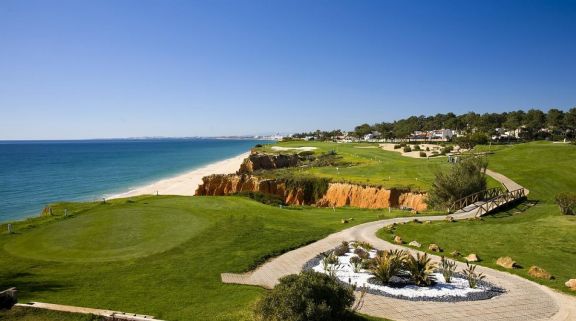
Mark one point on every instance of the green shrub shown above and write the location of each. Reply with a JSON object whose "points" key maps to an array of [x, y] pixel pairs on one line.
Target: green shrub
{"points": [[397, 146], [421, 268], [387, 265], [422, 154], [313, 188], [341, 250], [361, 253], [268, 199], [416, 148], [462, 179], [308, 296], [8, 299], [407, 149], [567, 202], [427, 149], [258, 145]]}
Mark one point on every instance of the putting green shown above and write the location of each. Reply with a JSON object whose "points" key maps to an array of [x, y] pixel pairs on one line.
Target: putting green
{"points": [[114, 233]]}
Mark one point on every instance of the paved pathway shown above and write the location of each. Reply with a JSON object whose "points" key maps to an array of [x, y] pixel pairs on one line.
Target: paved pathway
{"points": [[524, 299], [109, 314]]}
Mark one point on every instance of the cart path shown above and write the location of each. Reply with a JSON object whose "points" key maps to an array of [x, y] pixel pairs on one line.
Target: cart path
{"points": [[524, 299]]}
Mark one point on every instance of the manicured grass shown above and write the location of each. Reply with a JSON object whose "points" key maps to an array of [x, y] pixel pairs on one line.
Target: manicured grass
{"points": [[29, 314], [368, 164], [532, 235], [198, 238]]}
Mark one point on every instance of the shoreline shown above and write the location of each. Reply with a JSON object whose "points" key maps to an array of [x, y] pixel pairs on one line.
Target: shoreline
{"points": [[185, 184]]}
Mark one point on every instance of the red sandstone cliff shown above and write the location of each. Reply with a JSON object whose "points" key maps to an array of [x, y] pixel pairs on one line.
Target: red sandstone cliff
{"points": [[337, 195], [257, 161]]}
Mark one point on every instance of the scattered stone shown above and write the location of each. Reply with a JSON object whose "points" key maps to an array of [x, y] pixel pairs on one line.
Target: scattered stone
{"points": [[507, 262], [414, 244], [398, 240], [456, 254], [472, 257], [540, 273], [344, 221], [571, 284], [434, 248]]}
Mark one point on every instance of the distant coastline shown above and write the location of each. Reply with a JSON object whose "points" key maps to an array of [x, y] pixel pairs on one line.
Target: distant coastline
{"points": [[34, 174]]}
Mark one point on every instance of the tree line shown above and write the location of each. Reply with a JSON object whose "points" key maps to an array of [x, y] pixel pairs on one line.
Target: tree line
{"points": [[558, 124]]}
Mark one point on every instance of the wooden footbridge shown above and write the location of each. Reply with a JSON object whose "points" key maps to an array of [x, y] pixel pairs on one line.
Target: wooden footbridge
{"points": [[488, 200]]}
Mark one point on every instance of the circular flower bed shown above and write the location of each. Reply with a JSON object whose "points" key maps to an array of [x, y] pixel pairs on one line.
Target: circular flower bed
{"points": [[344, 263]]}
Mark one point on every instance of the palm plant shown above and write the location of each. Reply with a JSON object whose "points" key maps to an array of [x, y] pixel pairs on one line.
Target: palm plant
{"points": [[448, 268], [471, 275], [356, 264], [387, 265], [421, 268]]}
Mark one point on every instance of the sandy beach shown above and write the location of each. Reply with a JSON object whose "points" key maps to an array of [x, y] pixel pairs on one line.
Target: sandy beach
{"points": [[187, 183]]}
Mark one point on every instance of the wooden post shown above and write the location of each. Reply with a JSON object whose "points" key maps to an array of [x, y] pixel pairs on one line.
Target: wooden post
{"points": [[10, 229]]}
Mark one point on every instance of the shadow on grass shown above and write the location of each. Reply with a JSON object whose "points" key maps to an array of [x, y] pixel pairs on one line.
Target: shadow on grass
{"points": [[514, 209], [23, 282]]}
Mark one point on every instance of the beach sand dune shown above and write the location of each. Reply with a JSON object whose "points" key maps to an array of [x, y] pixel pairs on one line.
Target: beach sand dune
{"points": [[187, 183]]}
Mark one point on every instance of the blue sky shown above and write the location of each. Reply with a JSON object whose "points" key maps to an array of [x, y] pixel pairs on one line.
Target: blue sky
{"points": [[120, 68]]}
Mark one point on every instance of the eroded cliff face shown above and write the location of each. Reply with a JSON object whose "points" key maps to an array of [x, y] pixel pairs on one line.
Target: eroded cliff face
{"points": [[218, 185], [337, 194], [257, 161], [341, 194]]}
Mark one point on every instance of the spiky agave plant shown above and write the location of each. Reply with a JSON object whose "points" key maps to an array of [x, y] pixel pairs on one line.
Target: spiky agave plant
{"points": [[420, 268], [448, 268], [471, 275], [388, 264]]}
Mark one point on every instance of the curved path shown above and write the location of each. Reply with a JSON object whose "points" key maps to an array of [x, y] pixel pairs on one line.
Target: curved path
{"points": [[524, 299]]}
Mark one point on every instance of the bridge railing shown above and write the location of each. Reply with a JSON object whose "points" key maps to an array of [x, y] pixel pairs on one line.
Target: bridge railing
{"points": [[500, 200], [473, 198]]}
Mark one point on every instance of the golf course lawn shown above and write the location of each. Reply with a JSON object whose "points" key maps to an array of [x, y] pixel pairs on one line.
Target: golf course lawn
{"points": [[368, 164], [160, 255], [532, 235]]}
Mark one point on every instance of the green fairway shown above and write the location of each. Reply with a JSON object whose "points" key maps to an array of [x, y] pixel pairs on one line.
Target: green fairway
{"points": [[179, 279], [531, 235], [368, 164]]}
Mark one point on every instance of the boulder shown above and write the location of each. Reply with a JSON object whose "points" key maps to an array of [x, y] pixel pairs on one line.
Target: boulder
{"points": [[398, 240], [414, 244], [539, 272], [456, 254], [571, 284], [450, 219], [507, 262], [434, 248], [472, 257]]}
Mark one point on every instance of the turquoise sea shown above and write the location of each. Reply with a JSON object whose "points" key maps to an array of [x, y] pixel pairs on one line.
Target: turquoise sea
{"points": [[36, 173]]}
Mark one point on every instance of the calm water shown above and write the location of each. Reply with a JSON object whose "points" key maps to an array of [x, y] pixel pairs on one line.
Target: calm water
{"points": [[35, 173]]}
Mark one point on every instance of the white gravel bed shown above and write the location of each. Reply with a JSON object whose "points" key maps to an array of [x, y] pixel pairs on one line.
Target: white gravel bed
{"points": [[457, 290]]}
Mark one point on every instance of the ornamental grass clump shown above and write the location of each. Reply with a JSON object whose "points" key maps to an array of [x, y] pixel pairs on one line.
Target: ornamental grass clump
{"points": [[567, 202], [361, 253], [356, 264], [388, 265], [420, 268], [448, 268], [472, 276]]}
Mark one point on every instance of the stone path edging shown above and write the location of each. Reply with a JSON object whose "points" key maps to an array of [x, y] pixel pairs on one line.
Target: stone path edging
{"points": [[524, 299]]}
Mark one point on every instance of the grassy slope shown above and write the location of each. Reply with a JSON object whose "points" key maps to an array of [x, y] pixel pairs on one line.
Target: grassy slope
{"points": [[181, 282], [540, 235]]}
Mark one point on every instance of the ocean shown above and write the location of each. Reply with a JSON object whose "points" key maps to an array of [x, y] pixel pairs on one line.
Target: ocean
{"points": [[36, 173]]}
